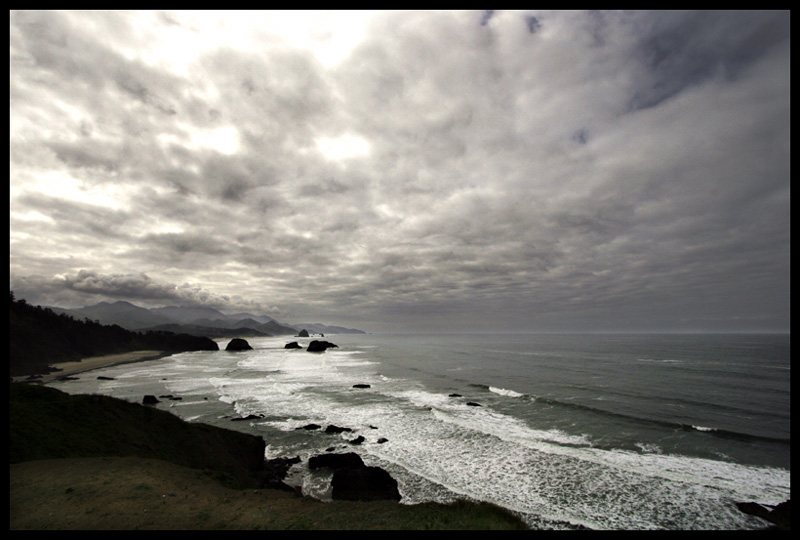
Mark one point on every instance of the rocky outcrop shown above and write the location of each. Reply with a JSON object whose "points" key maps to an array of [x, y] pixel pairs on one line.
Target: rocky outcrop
{"points": [[364, 484], [779, 515], [361, 386], [274, 473], [303, 333], [150, 400], [320, 346], [238, 344], [248, 417], [354, 481], [292, 345], [104, 426], [336, 429]]}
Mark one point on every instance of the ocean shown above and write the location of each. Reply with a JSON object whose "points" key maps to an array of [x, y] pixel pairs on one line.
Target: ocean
{"points": [[571, 431]]}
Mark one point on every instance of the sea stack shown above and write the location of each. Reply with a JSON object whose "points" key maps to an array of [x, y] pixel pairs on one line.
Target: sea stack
{"points": [[238, 344], [319, 346]]}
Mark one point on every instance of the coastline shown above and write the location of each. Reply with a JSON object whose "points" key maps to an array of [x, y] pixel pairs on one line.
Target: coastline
{"points": [[83, 365]]}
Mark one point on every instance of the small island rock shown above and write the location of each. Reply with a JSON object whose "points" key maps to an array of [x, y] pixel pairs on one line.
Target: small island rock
{"points": [[238, 344], [320, 346]]}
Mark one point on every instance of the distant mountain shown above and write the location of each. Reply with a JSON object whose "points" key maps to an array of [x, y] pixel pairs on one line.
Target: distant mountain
{"points": [[258, 318], [181, 314], [206, 331], [192, 320], [317, 328], [270, 328], [124, 314]]}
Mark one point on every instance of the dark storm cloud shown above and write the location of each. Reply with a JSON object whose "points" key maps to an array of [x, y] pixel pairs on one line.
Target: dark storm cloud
{"points": [[536, 170], [681, 49]]}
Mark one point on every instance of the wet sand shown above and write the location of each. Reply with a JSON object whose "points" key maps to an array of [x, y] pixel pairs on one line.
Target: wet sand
{"points": [[96, 362]]}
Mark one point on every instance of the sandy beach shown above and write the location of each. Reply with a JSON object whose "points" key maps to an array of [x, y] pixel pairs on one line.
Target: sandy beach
{"points": [[95, 362]]}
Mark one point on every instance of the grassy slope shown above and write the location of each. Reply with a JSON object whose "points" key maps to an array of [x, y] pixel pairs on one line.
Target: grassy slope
{"points": [[96, 462]]}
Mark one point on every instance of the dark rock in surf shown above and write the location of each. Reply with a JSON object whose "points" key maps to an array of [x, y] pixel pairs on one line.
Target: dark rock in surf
{"points": [[336, 429], [473, 404], [248, 417], [101, 378], [363, 484], [320, 346], [292, 345], [382, 440], [361, 386], [274, 472], [309, 427], [455, 395], [354, 481], [779, 515], [150, 400], [358, 440], [303, 333], [238, 344]]}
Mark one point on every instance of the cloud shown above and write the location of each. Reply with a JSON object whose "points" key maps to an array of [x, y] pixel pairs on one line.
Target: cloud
{"points": [[91, 286], [536, 169]]}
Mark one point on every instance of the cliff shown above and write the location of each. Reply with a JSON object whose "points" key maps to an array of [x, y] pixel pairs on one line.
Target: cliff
{"points": [[46, 423]]}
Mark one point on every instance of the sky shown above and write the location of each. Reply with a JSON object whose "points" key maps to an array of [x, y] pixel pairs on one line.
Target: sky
{"points": [[407, 171]]}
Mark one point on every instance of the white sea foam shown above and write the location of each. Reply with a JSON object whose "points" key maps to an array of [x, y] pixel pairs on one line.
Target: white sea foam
{"points": [[438, 444], [505, 392], [649, 448]]}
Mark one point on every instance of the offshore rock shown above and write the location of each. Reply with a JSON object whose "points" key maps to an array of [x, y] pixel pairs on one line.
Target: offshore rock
{"points": [[274, 473], [354, 481], [320, 346], [303, 333], [248, 417], [238, 344], [779, 515], [364, 484], [292, 345], [336, 429], [150, 400]]}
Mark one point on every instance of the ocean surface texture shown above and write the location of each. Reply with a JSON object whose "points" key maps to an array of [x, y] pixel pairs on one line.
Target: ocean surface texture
{"points": [[648, 431]]}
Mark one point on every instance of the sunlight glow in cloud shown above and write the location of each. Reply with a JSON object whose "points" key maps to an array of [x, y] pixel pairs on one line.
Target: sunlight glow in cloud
{"points": [[343, 147]]}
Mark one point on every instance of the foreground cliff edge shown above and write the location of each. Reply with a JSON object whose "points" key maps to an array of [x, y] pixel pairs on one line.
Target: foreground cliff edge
{"points": [[97, 462]]}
